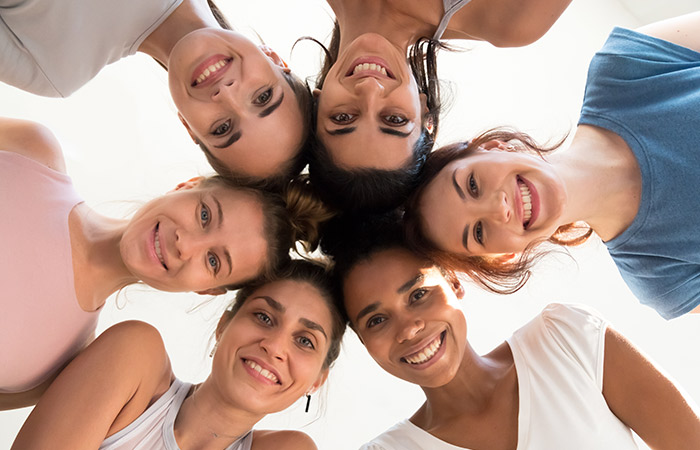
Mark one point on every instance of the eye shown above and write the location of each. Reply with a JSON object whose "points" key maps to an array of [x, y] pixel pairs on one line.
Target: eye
{"points": [[204, 215], [305, 342], [479, 233], [213, 262], [263, 318], [395, 120], [343, 118], [263, 98], [417, 295], [472, 186], [222, 129], [375, 320]]}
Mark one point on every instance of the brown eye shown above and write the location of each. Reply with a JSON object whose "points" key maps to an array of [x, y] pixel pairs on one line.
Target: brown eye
{"points": [[342, 118], [395, 120], [473, 188], [263, 98], [222, 129], [479, 233]]}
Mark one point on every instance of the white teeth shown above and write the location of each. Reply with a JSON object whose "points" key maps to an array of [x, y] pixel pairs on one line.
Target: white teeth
{"points": [[210, 70], [264, 372], [158, 251], [527, 201], [427, 353], [367, 66]]}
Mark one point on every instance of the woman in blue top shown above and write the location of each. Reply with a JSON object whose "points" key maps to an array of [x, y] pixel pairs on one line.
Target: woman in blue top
{"points": [[630, 175]]}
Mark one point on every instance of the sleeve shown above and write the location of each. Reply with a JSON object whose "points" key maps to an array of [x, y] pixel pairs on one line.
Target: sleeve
{"points": [[579, 332], [372, 446]]}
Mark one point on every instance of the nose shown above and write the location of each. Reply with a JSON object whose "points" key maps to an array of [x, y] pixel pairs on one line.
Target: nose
{"points": [[188, 243], [410, 329], [368, 88], [226, 92], [497, 208], [274, 345]]}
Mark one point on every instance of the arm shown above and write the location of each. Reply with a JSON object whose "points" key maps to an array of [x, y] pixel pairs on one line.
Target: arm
{"points": [[505, 23], [26, 398], [682, 30], [282, 440], [101, 391], [32, 140], [645, 399]]}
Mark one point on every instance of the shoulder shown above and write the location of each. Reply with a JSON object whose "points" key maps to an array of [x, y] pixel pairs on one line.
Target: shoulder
{"points": [[32, 140], [282, 440]]}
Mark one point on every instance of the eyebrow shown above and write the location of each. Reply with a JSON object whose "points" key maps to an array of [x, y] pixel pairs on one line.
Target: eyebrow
{"points": [[394, 132], [313, 326], [270, 109], [465, 237], [220, 213], [232, 140], [459, 190], [340, 131], [274, 304], [410, 283], [366, 310]]}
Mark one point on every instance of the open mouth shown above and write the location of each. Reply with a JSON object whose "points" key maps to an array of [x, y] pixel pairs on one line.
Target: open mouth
{"points": [[262, 371], [156, 245], [427, 353], [370, 66], [526, 198], [210, 69]]}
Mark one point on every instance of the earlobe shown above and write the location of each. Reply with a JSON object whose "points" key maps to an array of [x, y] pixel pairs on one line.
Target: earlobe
{"points": [[275, 58], [319, 382], [506, 258], [500, 145], [458, 289], [189, 130], [189, 184], [317, 93]]}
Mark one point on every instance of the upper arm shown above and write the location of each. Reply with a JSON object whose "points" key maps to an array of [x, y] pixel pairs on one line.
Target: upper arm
{"points": [[682, 30], [282, 440], [112, 380], [645, 399], [505, 23], [32, 140]]}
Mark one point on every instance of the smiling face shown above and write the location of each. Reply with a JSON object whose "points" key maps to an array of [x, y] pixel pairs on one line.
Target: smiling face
{"points": [[369, 110], [273, 349], [235, 99], [407, 316], [196, 238], [492, 202]]}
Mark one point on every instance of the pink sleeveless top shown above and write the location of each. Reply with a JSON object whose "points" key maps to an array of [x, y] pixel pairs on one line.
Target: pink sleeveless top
{"points": [[42, 326]]}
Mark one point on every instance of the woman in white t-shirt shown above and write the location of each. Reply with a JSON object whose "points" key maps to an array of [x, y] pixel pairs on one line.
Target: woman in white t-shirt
{"points": [[566, 380]]}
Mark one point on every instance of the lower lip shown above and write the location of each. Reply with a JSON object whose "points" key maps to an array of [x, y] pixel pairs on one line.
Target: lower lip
{"points": [[257, 375], [534, 200], [436, 356], [371, 60], [204, 65]]}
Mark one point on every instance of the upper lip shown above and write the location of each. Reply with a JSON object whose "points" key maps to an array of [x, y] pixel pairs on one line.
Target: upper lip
{"points": [[416, 348], [206, 64], [161, 244], [266, 366]]}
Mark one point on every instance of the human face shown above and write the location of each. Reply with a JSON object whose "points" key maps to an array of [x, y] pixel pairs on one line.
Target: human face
{"points": [[369, 110], [234, 98], [272, 351], [196, 239], [492, 202], [407, 316]]}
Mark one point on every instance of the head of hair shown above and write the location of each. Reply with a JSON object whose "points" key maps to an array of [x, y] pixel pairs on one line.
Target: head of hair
{"points": [[314, 273], [376, 190], [503, 275], [292, 216], [351, 240]]}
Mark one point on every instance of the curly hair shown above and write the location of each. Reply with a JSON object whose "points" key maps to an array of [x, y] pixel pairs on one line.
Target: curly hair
{"points": [[505, 274]]}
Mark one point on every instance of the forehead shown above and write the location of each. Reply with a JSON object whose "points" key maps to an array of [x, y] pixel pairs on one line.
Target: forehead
{"points": [[369, 148], [300, 299]]}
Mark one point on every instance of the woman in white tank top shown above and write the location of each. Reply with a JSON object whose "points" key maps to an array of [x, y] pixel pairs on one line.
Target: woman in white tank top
{"points": [[275, 344]]}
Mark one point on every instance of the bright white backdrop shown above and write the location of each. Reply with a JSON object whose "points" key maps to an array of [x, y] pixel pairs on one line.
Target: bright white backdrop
{"points": [[124, 145]]}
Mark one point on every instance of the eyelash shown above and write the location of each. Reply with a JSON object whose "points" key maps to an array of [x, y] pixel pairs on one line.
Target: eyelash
{"points": [[374, 321], [479, 233], [417, 295], [222, 129], [267, 96], [343, 118], [205, 218], [390, 120], [472, 186], [267, 321]]}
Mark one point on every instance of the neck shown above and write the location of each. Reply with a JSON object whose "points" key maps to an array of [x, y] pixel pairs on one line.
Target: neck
{"points": [[602, 179], [479, 380], [206, 420], [191, 15], [99, 269], [371, 16]]}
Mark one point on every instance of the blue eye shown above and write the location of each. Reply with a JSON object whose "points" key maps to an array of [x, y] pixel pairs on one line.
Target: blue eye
{"points": [[263, 98], [204, 214], [213, 262], [264, 318], [306, 342]]}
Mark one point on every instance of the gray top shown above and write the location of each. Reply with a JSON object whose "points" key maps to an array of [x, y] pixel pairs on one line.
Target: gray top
{"points": [[450, 7]]}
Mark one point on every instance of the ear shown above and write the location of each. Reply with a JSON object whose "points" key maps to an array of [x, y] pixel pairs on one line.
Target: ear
{"points": [[322, 377], [500, 145], [458, 289], [316, 93], [187, 127], [189, 184], [212, 291], [275, 58], [505, 258]]}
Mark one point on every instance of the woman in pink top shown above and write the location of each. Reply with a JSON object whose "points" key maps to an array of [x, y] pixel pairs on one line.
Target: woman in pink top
{"points": [[275, 344], [61, 259]]}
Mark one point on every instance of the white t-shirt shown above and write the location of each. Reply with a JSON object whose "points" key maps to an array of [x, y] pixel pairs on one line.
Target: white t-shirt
{"points": [[53, 47], [559, 362]]}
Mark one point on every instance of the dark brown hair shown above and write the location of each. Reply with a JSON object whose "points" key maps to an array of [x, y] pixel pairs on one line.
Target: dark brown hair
{"points": [[497, 274]]}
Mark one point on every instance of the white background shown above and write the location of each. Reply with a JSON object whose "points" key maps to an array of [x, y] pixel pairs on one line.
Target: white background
{"points": [[124, 144]]}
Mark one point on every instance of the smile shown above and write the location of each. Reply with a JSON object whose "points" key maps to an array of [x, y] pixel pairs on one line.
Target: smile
{"points": [[156, 245], [210, 69], [369, 66], [427, 353], [527, 202], [262, 371]]}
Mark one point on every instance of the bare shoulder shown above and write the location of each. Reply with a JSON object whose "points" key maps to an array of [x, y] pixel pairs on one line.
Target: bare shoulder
{"points": [[282, 439], [682, 30], [33, 140]]}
